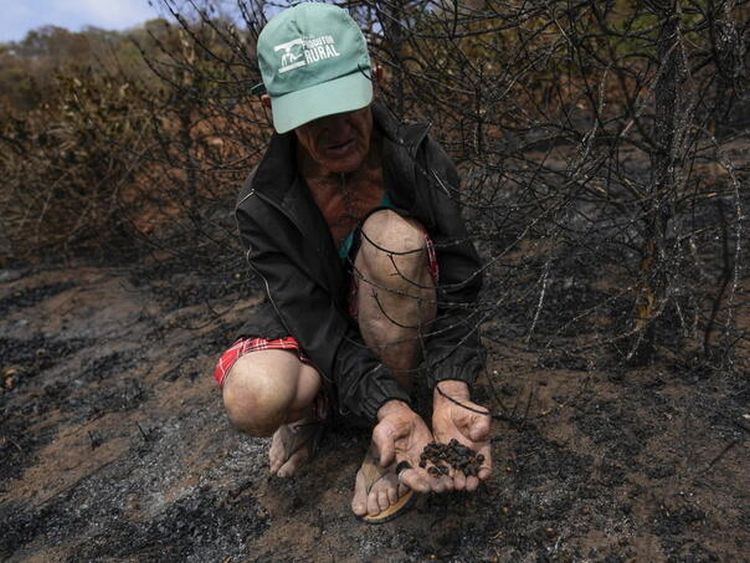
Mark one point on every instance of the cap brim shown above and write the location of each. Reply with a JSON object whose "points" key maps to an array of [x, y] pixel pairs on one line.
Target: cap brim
{"points": [[348, 93]]}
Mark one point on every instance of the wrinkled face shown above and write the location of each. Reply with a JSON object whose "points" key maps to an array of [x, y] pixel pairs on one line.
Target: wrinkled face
{"points": [[340, 142]]}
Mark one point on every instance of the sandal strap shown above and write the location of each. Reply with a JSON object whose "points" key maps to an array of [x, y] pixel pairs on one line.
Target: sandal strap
{"points": [[372, 471]]}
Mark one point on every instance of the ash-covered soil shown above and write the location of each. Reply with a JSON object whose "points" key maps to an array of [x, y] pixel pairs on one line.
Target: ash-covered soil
{"points": [[114, 445]]}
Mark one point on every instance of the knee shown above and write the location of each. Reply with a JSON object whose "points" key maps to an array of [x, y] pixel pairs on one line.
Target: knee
{"points": [[393, 248], [256, 401]]}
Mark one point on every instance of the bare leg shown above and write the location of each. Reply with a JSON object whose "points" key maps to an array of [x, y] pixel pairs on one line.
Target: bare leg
{"points": [[396, 302], [396, 291], [264, 393]]}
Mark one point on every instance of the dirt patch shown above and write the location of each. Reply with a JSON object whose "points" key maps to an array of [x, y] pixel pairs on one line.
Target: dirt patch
{"points": [[115, 446]]}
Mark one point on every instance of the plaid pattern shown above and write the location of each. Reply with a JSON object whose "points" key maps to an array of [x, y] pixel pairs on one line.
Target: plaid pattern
{"points": [[246, 345], [254, 344], [432, 259]]}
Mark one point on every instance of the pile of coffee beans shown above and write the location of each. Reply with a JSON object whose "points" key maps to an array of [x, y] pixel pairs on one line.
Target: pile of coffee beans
{"points": [[442, 457]]}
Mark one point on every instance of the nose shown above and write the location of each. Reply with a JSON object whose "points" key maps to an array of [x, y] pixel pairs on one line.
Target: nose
{"points": [[336, 125], [335, 120]]}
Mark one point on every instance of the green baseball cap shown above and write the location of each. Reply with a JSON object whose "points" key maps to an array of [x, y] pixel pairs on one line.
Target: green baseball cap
{"points": [[314, 62]]}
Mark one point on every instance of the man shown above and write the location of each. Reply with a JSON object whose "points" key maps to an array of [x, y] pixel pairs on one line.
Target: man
{"points": [[352, 224]]}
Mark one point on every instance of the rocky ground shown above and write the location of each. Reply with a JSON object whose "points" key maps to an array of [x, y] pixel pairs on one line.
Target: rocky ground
{"points": [[114, 445]]}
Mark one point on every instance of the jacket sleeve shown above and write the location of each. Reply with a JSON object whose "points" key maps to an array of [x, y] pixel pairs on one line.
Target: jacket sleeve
{"points": [[454, 349], [327, 337]]}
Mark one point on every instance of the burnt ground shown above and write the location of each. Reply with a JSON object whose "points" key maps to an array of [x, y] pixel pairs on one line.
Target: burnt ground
{"points": [[114, 445]]}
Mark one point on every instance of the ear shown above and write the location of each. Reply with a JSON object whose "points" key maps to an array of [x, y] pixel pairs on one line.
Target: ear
{"points": [[265, 99]]}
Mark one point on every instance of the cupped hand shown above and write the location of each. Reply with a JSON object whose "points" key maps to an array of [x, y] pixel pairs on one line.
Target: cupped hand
{"points": [[454, 415], [400, 436]]}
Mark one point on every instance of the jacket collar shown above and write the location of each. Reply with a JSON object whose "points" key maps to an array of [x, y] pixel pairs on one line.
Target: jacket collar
{"points": [[277, 170], [400, 146], [399, 135]]}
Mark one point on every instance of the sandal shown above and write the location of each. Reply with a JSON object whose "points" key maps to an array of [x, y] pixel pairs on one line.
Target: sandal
{"points": [[306, 432], [373, 472]]}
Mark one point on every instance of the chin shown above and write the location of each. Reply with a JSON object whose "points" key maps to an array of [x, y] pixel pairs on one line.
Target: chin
{"points": [[345, 165]]}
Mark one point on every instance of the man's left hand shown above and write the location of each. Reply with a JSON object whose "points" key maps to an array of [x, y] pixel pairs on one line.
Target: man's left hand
{"points": [[470, 426]]}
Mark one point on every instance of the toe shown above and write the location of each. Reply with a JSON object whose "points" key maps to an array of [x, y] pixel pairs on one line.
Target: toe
{"points": [[383, 501], [275, 459], [359, 501], [393, 494], [295, 460], [373, 508], [275, 463]]}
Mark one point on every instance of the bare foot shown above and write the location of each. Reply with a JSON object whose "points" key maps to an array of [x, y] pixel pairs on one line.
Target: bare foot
{"points": [[376, 488], [292, 445]]}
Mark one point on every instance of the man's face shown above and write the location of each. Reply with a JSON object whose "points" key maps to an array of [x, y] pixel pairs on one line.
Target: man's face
{"points": [[340, 142]]}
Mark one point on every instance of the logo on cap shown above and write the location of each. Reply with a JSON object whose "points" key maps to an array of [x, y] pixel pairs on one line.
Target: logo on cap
{"points": [[289, 59], [313, 49]]}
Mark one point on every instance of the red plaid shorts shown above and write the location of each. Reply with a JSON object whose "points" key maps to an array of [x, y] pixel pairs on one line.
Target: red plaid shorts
{"points": [[254, 344]]}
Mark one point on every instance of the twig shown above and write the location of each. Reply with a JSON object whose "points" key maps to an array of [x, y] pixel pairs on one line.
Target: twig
{"points": [[95, 440], [721, 454], [143, 433], [459, 403], [540, 303]]}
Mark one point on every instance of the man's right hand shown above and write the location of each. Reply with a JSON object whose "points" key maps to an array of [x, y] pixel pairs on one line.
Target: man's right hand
{"points": [[401, 435]]}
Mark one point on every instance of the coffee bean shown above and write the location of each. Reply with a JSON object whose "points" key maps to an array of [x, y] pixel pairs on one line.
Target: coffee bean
{"points": [[455, 455]]}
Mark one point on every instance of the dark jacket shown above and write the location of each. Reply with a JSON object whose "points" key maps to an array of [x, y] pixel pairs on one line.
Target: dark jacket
{"points": [[290, 247]]}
